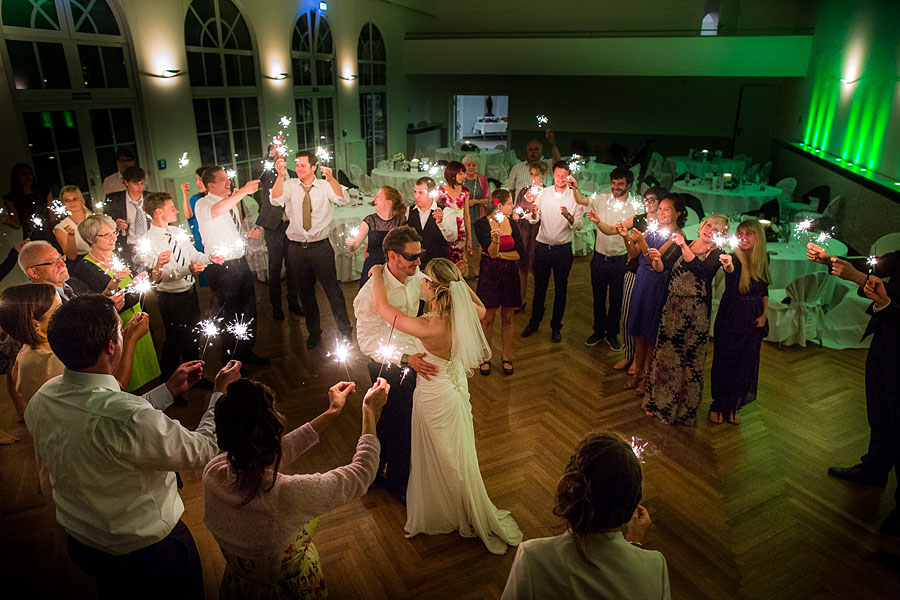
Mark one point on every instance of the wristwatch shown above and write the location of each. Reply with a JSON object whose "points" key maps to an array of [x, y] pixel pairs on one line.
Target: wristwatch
{"points": [[404, 361]]}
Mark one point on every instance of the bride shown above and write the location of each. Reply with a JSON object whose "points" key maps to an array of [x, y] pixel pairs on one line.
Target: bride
{"points": [[446, 492]]}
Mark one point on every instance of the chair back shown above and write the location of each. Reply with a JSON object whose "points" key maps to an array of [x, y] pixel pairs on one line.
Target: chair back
{"points": [[355, 172], [765, 171], [787, 187], [754, 171], [886, 243], [693, 202]]}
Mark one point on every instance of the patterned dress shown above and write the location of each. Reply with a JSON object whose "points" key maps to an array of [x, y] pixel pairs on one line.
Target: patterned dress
{"points": [[454, 209], [297, 573], [675, 380]]}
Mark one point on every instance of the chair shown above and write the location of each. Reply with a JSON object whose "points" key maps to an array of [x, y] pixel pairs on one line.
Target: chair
{"points": [[347, 264], [765, 171], [845, 316], [693, 202], [495, 183], [886, 243], [796, 314], [365, 184], [355, 172], [787, 186], [692, 217], [820, 193], [752, 172], [344, 180]]}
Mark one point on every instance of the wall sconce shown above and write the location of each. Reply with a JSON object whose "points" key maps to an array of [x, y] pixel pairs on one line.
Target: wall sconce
{"points": [[849, 81], [349, 77], [279, 77], [166, 73]]}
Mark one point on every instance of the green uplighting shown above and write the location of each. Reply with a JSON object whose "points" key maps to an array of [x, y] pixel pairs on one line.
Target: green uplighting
{"points": [[838, 159]]}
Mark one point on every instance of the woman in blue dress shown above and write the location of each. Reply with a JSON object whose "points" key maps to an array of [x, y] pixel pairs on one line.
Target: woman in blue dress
{"points": [[657, 255], [187, 207]]}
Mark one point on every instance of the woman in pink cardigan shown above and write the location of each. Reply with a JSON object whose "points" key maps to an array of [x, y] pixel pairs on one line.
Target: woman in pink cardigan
{"points": [[264, 521], [477, 206]]}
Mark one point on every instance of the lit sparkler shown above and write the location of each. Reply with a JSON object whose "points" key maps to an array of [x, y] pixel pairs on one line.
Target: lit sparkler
{"points": [[341, 354], [182, 236], [209, 329], [119, 265], [231, 173], [183, 161], [143, 247], [139, 286], [59, 209], [37, 222], [240, 330], [654, 228], [434, 194], [322, 154], [520, 211], [721, 241], [803, 226], [639, 447], [387, 353], [285, 121], [823, 237], [354, 232], [98, 205], [499, 217], [268, 165], [542, 120], [405, 372], [534, 190], [872, 261]]}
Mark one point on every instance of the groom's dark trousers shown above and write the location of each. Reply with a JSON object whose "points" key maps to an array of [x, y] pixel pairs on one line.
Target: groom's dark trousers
{"points": [[394, 428]]}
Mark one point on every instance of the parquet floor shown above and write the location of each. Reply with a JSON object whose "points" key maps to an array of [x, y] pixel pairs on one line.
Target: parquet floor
{"points": [[739, 512]]}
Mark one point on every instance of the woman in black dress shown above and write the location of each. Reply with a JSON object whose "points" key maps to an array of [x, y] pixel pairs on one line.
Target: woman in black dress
{"points": [[28, 199], [389, 212], [740, 324], [498, 282]]}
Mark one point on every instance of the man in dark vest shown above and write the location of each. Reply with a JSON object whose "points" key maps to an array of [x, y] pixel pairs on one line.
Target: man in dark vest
{"points": [[428, 221], [274, 223]]}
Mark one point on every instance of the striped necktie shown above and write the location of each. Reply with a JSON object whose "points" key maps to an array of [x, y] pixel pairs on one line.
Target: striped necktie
{"points": [[176, 254]]}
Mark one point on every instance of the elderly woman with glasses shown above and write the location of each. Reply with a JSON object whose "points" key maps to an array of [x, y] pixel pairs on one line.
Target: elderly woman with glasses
{"points": [[100, 270]]}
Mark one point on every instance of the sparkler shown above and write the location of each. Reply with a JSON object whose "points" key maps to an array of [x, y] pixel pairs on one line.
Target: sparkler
{"points": [[823, 237], [405, 372], [341, 354], [534, 190], [434, 194], [323, 154], [354, 232], [654, 228], [184, 160], [387, 352], [231, 173], [639, 447], [144, 247], [542, 120], [499, 217], [268, 165], [208, 328], [803, 226], [181, 236], [118, 264], [872, 261], [285, 121], [37, 222], [139, 286], [520, 211], [722, 240], [59, 209], [98, 205], [240, 330]]}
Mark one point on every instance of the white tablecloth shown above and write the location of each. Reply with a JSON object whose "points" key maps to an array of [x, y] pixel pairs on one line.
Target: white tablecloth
{"points": [[483, 127], [348, 264], [728, 202], [404, 181], [699, 168], [599, 173], [485, 157]]}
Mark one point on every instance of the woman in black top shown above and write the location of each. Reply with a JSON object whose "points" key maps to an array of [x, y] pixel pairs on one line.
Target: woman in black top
{"points": [[389, 212], [25, 200], [498, 281]]}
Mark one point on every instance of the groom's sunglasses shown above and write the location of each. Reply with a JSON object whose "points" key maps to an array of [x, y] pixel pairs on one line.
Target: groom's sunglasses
{"points": [[410, 257]]}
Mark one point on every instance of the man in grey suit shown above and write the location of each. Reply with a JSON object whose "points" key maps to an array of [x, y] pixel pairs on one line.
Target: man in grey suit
{"points": [[274, 223]]}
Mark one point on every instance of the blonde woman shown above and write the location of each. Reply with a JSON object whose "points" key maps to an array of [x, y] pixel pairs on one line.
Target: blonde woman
{"points": [[740, 324], [446, 492], [675, 379], [66, 231]]}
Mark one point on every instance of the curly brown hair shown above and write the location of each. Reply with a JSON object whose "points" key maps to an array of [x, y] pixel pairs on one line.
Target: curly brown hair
{"points": [[601, 486], [249, 429]]}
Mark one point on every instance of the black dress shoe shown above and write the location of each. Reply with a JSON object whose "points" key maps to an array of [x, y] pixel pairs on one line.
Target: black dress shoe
{"points": [[296, 310], [204, 384], [179, 401], [251, 358], [859, 474], [891, 524], [277, 313], [529, 329], [556, 336], [313, 341]]}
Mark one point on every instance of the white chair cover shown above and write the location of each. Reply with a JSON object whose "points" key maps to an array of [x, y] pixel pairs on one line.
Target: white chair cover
{"points": [[803, 319], [765, 171], [355, 172], [365, 184], [348, 264], [845, 316], [787, 186], [256, 253], [692, 217], [886, 243], [498, 172]]}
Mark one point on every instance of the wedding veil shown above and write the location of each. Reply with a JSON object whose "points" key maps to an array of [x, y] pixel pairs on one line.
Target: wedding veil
{"points": [[468, 345]]}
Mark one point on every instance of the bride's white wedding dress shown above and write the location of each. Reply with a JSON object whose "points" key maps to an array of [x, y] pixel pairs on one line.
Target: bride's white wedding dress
{"points": [[446, 492]]}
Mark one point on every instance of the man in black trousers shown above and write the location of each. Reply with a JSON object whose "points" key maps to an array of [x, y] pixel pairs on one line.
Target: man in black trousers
{"points": [[307, 202], [274, 223], [882, 372], [428, 221]]}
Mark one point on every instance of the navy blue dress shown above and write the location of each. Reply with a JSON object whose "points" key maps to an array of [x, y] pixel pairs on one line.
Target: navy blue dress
{"points": [[649, 293]]}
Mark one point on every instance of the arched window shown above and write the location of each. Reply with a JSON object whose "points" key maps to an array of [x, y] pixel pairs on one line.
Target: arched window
{"points": [[222, 69], [372, 69], [312, 58], [710, 24], [72, 58]]}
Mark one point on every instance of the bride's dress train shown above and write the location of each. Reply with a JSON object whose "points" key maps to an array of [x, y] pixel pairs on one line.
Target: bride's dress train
{"points": [[446, 492]]}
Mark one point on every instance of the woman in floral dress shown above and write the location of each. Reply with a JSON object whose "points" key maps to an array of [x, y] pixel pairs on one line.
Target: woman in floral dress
{"points": [[675, 380], [452, 197]]}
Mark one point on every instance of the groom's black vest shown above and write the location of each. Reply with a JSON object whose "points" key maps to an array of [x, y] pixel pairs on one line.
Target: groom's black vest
{"points": [[433, 243]]}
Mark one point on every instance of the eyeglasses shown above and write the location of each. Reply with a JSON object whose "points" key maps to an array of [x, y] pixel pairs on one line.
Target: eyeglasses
{"points": [[105, 235], [57, 260], [410, 257]]}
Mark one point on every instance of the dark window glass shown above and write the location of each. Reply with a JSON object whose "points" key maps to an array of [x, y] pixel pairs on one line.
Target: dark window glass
{"points": [[325, 72], [324, 44], [213, 64], [248, 70], [218, 114], [201, 116], [24, 64], [222, 148], [102, 128], [195, 69], [207, 157], [302, 71], [300, 41], [200, 24], [39, 129], [55, 149], [114, 63], [251, 110], [240, 146], [91, 66], [254, 139], [34, 14], [53, 65], [123, 124], [237, 112], [93, 16]]}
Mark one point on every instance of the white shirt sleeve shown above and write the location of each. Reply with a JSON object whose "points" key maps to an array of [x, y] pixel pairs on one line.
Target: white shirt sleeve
{"points": [[286, 191], [203, 210], [159, 397], [448, 230], [518, 583]]}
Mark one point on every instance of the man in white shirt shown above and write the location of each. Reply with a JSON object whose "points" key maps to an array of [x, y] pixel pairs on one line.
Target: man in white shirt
{"points": [[560, 210], [428, 221], [109, 458], [116, 182], [174, 263], [609, 259], [519, 175], [307, 203], [233, 282], [403, 252]]}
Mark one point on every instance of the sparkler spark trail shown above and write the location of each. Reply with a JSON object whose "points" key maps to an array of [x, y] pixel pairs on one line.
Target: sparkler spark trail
{"points": [[208, 328], [240, 330], [37, 222], [139, 286], [341, 354], [872, 261], [59, 209], [230, 173], [803, 226], [722, 240], [184, 160], [405, 372], [386, 351], [268, 165], [322, 154], [823, 237], [542, 120], [118, 264], [639, 447], [285, 121], [182, 236]]}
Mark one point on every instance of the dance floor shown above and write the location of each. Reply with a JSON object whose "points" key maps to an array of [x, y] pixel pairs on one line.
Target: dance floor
{"points": [[738, 512]]}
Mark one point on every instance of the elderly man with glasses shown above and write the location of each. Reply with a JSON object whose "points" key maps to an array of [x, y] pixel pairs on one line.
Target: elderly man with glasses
{"points": [[43, 263]]}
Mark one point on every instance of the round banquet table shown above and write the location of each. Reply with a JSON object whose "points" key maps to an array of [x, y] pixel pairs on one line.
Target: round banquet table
{"points": [[728, 202], [493, 156], [599, 173], [699, 168], [348, 264], [403, 181], [787, 260]]}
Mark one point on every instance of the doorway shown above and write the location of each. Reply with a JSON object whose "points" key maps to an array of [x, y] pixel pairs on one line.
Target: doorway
{"points": [[481, 120]]}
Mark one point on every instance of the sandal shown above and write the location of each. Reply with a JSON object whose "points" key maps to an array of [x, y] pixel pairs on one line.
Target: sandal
{"points": [[509, 370], [715, 417], [734, 417], [484, 371], [622, 364]]}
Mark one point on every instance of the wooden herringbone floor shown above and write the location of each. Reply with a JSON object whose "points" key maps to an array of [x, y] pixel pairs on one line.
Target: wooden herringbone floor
{"points": [[739, 512]]}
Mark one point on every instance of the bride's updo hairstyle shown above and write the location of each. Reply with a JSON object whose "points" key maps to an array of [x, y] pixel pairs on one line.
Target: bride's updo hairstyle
{"points": [[441, 273], [600, 487], [249, 429]]}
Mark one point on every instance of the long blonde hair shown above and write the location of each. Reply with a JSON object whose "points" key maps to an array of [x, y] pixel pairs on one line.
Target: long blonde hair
{"points": [[441, 273], [754, 264]]}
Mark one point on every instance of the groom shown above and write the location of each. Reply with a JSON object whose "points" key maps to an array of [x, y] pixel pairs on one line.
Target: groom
{"points": [[402, 249]]}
